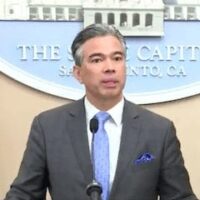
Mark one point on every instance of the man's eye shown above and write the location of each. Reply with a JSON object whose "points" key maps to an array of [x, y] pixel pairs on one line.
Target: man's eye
{"points": [[118, 58], [96, 60]]}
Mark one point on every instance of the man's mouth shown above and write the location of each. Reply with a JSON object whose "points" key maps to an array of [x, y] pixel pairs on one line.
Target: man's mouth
{"points": [[109, 83]]}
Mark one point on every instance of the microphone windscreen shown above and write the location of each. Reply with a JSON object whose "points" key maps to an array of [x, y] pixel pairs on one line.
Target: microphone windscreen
{"points": [[94, 125]]}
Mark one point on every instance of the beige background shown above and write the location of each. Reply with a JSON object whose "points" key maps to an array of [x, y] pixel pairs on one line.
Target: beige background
{"points": [[20, 103]]}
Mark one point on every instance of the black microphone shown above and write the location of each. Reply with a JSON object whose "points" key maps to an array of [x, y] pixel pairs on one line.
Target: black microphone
{"points": [[94, 125], [94, 189]]}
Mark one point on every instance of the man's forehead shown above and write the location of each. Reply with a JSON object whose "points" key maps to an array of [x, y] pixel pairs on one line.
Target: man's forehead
{"points": [[95, 40]]}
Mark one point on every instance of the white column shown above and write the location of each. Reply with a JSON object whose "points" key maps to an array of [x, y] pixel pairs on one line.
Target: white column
{"points": [[129, 19], [53, 13], [104, 16], [66, 11], [40, 12], [142, 19], [117, 19]]}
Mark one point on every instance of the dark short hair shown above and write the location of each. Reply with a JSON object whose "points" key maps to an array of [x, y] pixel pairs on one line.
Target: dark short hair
{"points": [[91, 31]]}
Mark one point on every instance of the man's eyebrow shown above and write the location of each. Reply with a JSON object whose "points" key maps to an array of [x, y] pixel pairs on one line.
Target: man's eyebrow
{"points": [[118, 52], [101, 54], [95, 54]]}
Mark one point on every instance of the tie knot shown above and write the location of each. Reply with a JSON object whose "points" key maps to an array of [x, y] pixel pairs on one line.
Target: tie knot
{"points": [[102, 117]]}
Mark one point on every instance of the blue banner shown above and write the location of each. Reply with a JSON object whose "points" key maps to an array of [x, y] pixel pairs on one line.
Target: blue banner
{"points": [[158, 68]]}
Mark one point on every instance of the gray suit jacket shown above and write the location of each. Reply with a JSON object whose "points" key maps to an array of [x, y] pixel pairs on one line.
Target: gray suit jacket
{"points": [[57, 156]]}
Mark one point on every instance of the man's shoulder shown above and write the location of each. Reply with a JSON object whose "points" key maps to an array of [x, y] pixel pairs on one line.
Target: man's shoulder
{"points": [[62, 110], [145, 113], [150, 120]]}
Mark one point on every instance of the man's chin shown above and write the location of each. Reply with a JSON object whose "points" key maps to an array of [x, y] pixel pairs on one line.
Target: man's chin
{"points": [[112, 95]]}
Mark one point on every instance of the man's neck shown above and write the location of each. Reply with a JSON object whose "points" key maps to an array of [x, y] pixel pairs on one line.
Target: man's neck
{"points": [[104, 104]]}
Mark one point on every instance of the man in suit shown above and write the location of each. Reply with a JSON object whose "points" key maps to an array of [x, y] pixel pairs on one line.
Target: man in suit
{"points": [[145, 157]]}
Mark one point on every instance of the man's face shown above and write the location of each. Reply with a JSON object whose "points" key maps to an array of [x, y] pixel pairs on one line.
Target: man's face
{"points": [[103, 68]]}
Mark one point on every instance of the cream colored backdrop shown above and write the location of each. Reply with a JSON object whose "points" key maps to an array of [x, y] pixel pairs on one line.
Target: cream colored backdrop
{"points": [[20, 103]]}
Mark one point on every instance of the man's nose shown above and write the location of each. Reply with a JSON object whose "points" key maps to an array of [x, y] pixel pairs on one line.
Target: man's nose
{"points": [[109, 66]]}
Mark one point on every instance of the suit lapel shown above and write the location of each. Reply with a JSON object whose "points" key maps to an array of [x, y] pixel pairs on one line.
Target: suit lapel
{"points": [[129, 141], [79, 139]]}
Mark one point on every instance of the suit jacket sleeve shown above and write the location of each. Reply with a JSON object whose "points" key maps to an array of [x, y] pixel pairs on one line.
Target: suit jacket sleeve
{"points": [[174, 180], [31, 181]]}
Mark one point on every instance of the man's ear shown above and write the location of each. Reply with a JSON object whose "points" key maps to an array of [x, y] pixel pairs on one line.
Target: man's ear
{"points": [[77, 73]]}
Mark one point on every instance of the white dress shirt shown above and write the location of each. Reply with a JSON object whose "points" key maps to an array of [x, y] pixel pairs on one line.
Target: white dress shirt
{"points": [[113, 127]]}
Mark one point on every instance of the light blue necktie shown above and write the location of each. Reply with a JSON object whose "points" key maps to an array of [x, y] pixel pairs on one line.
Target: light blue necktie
{"points": [[101, 155]]}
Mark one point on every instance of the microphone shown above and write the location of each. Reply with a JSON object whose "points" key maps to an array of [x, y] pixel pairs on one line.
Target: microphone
{"points": [[94, 189], [94, 125]]}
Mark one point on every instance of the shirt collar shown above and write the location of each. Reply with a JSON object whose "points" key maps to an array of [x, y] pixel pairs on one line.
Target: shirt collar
{"points": [[115, 112]]}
